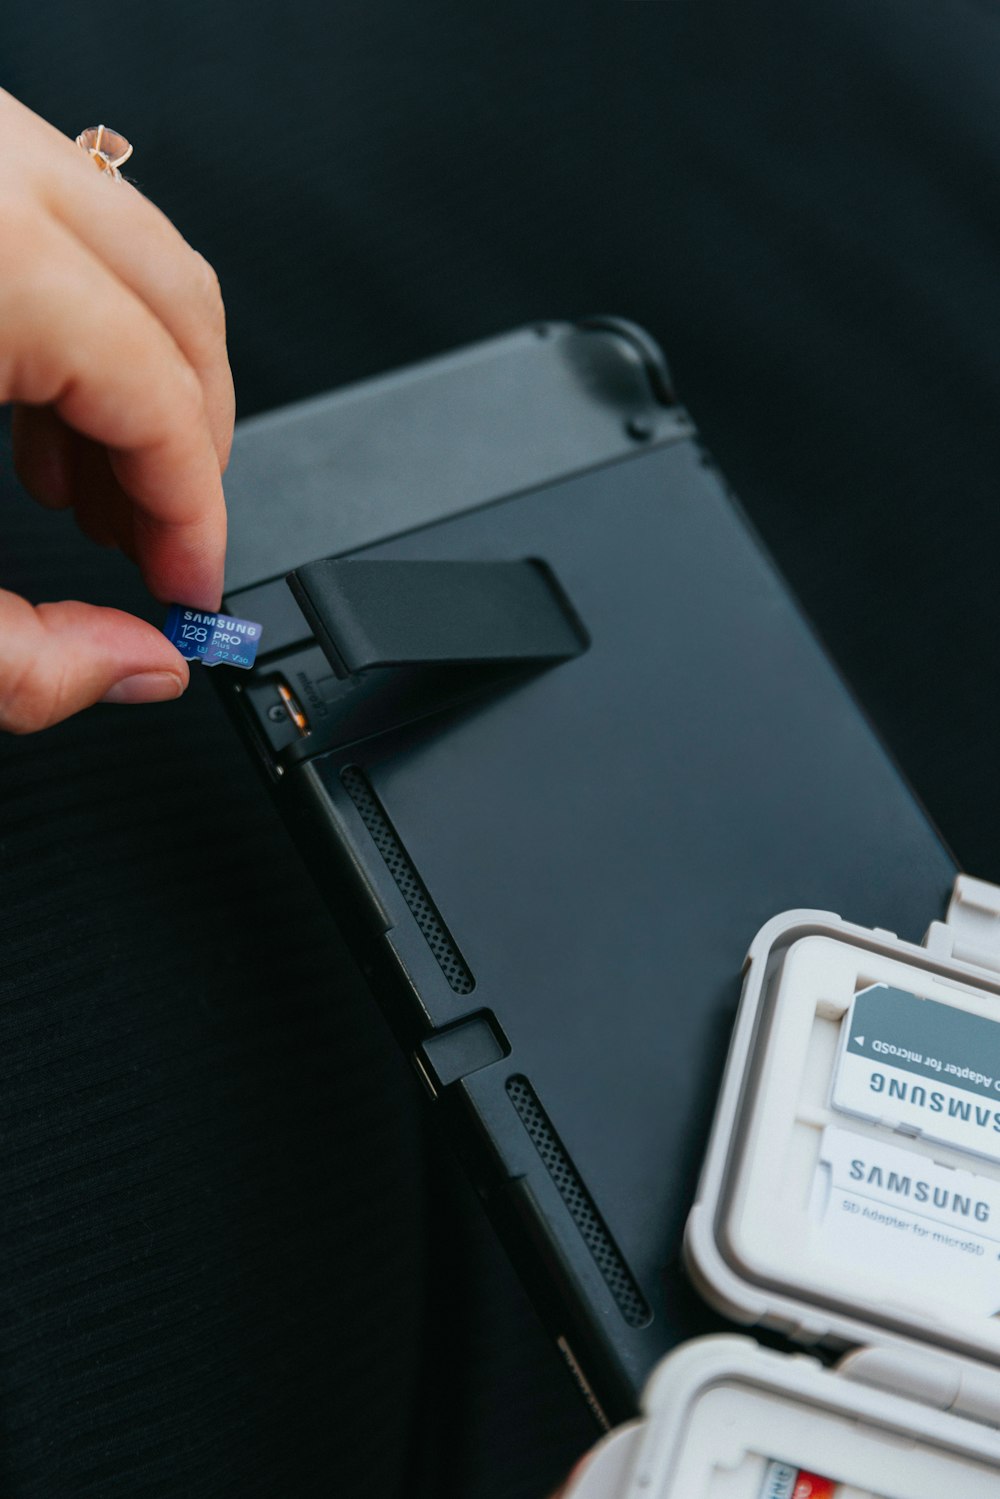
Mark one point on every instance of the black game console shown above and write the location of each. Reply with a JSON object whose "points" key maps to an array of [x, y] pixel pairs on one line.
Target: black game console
{"points": [[555, 741]]}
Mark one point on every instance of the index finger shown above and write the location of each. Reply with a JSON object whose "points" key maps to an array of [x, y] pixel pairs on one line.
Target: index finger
{"points": [[139, 245], [78, 339]]}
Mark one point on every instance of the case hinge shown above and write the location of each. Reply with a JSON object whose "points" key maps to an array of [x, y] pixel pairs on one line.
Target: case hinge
{"points": [[971, 930], [947, 1384]]}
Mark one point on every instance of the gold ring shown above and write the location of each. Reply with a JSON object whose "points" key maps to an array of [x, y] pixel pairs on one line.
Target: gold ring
{"points": [[105, 147]]}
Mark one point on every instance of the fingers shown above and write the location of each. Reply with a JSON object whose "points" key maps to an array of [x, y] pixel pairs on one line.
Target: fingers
{"points": [[138, 243], [58, 658], [44, 451], [77, 339], [149, 389], [103, 511], [113, 352]]}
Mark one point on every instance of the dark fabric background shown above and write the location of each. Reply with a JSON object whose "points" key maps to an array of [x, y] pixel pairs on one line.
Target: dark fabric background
{"points": [[232, 1261]]}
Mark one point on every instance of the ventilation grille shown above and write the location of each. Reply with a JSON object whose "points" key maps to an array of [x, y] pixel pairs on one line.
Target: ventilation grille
{"points": [[630, 1300], [411, 886]]}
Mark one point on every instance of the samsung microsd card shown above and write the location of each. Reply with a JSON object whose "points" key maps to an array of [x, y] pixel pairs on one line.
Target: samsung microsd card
{"points": [[931, 1229], [781, 1481], [921, 1067], [212, 639]]}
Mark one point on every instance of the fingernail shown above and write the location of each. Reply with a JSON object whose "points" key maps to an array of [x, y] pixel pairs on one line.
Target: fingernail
{"points": [[145, 687]]}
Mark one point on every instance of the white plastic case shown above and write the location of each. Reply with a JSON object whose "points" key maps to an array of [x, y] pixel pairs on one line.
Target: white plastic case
{"points": [[793, 1229], [719, 1410]]}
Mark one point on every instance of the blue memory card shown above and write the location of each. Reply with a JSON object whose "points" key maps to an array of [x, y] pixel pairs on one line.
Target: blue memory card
{"points": [[212, 639]]}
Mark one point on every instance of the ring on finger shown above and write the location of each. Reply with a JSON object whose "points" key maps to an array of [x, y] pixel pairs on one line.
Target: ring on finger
{"points": [[106, 148]]}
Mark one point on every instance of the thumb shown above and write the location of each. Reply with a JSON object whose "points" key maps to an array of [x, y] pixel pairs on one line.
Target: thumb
{"points": [[58, 658]]}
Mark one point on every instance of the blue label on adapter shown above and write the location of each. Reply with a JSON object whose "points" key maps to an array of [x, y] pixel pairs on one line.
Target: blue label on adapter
{"points": [[212, 639]]}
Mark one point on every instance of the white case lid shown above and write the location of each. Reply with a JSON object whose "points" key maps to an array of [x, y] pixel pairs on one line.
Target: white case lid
{"points": [[718, 1408]]}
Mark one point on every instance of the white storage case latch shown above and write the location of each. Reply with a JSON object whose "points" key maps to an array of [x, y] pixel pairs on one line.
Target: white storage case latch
{"points": [[971, 931]]}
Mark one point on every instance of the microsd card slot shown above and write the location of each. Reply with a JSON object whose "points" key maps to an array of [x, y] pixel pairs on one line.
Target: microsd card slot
{"points": [[300, 708], [280, 716], [293, 711], [298, 704]]}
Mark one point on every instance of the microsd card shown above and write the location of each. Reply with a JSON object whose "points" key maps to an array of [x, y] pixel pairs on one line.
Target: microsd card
{"points": [[212, 639], [782, 1481]]}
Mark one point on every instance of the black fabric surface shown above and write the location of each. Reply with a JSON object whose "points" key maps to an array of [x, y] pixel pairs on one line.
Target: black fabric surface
{"points": [[232, 1261]]}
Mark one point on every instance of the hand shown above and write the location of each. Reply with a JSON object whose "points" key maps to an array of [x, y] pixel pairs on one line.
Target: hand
{"points": [[112, 347]]}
